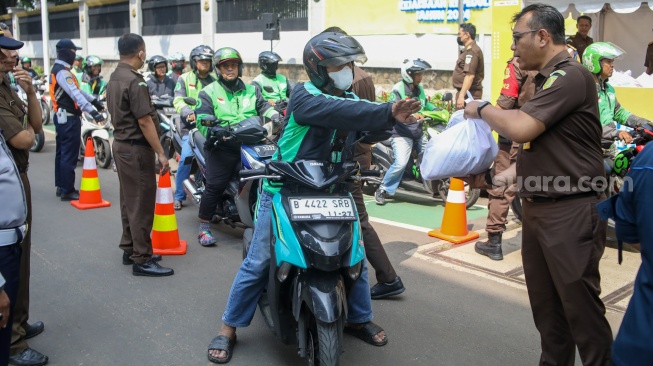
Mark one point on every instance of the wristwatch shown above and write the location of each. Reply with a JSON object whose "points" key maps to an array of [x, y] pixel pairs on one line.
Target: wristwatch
{"points": [[481, 106]]}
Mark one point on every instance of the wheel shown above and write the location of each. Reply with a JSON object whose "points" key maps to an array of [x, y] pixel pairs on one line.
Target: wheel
{"points": [[516, 207], [324, 343], [102, 153], [471, 194], [39, 141], [45, 112]]}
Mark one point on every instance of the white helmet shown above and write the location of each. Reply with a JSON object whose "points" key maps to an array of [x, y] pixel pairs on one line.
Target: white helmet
{"points": [[412, 67]]}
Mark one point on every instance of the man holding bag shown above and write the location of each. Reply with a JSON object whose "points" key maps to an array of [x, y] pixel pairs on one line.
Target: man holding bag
{"points": [[562, 235]]}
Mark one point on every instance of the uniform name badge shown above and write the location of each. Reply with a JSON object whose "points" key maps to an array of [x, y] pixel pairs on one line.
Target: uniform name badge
{"points": [[527, 145]]}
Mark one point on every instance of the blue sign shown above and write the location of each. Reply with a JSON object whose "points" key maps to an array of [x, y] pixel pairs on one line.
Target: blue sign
{"points": [[441, 10]]}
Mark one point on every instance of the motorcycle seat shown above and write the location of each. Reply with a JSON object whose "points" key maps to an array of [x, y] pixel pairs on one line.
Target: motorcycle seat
{"points": [[199, 141]]}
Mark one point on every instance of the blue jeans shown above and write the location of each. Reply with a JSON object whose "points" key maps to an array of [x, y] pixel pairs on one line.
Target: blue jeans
{"points": [[402, 147], [252, 278], [183, 171]]}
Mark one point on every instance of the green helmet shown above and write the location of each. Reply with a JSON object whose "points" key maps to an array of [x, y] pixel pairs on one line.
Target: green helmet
{"points": [[596, 52], [89, 62], [25, 59], [226, 54]]}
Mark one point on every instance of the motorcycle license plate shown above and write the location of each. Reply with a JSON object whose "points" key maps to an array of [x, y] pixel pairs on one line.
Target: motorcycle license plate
{"points": [[169, 111], [322, 208]]}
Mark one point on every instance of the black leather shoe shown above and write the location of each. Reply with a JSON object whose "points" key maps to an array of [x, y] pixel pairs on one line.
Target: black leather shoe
{"points": [[58, 192], [28, 357], [151, 269], [126, 260], [71, 196], [34, 329], [387, 289]]}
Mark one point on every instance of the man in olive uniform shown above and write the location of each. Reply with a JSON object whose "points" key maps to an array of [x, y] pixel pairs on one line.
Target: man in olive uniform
{"points": [[136, 140], [563, 237], [648, 61], [581, 39], [518, 88], [20, 137], [469, 71]]}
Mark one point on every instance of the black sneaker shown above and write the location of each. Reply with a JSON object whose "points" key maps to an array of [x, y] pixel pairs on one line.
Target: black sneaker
{"points": [[387, 289], [379, 197]]}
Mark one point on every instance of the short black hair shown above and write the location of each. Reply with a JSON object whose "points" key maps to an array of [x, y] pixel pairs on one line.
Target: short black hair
{"points": [[334, 30], [584, 17], [129, 44], [544, 17], [3, 26], [469, 28]]}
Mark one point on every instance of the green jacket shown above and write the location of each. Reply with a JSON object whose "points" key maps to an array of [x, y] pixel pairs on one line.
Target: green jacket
{"points": [[94, 87], [189, 85], [279, 86], [401, 90], [78, 74], [231, 107], [611, 111]]}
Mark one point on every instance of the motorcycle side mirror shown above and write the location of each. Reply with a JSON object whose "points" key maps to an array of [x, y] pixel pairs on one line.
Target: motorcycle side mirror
{"points": [[447, 97], [268, 89], [190, 100]]}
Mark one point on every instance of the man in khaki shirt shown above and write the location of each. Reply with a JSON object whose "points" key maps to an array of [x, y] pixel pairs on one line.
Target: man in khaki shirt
{"points": [[469, 71], [581, 39]]}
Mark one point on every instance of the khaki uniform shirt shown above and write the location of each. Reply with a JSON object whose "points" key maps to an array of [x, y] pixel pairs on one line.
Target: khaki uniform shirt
{"points": [[12, 120], [470, 61], [579, 43], [648, 61], [128, 99], [567, 156]]}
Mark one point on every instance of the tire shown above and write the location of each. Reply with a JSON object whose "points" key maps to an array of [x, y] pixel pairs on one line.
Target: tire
{"points": [[324, 343], [39, 142], [45, 113], [102, 153], [516, 207], [471, 194]]}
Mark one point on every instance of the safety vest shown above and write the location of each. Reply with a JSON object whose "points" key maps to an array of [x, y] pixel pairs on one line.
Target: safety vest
{"points": [[279, 86], [231, 108], [61, 99], [193, 88], [400, 87]]}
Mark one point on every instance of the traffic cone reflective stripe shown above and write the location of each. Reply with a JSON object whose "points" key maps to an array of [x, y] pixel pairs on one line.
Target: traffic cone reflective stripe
{"points": [[454, 221], [165, 235], [89, 189]]}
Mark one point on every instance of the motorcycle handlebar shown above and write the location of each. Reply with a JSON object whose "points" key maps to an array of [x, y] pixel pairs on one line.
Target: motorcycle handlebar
{"points": [[251, 173], [370, 173]]}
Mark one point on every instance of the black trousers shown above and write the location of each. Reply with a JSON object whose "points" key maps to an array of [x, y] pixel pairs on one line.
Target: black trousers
{"points": [[68, 142], [221, 164], [10, 268]]}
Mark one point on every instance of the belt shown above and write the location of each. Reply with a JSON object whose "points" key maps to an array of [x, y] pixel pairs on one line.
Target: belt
{"points": [[141, 142], [72, 114], [22, 168], [537, 199], [12, 236]]}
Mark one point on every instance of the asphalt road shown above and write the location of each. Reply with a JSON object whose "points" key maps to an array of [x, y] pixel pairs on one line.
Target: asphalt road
{"points": [[97, 313]]}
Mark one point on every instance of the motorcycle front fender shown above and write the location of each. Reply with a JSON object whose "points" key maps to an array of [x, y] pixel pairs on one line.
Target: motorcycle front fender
{"points": [[323, 294], [102, 134]]}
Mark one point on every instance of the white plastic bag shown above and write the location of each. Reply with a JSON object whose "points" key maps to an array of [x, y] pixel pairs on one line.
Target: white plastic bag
{"points": [[465, 147]]}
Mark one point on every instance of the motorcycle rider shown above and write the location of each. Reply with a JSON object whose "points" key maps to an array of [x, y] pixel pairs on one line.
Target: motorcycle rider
{"points": [[78, 69], [316, 112], [26, 63], [405, 136], [178, 64], [92, 81], [189, 84], [274, 87], [230, 101], [599, 58], [159, 84]]}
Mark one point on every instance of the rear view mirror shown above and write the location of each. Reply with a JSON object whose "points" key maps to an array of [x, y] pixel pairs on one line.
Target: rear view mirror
{"points": [[190, 100], [268, 89], [447, 97]]}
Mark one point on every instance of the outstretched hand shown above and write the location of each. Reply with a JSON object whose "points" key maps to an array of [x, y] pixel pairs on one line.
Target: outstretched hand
{"points": [[403, 109]]}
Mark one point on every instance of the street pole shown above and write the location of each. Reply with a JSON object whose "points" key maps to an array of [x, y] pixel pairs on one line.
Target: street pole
{"points": [[45, 28], [461, 12]]}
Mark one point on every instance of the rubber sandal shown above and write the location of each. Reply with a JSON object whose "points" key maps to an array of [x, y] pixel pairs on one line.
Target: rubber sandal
{"points": [[367, 333], [177, 205], [222, 343]]}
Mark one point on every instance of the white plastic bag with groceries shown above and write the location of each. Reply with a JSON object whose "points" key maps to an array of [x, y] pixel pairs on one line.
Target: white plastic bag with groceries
{"points": [[465, 147]]}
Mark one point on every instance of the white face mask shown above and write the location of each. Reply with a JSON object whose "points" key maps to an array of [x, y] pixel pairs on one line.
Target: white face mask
{"points": [[342, 79], [142, 59]]}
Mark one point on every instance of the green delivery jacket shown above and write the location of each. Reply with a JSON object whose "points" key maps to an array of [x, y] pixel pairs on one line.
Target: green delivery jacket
{"points": [[279, 86], [189, 85], [402, 90], [611, 111]]}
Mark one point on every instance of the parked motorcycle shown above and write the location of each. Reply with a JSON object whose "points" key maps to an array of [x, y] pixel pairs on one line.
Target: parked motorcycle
{"points": [[619, 156], [316, 254], [99, 132], [39, 86], [166, 112], [39, 138]]}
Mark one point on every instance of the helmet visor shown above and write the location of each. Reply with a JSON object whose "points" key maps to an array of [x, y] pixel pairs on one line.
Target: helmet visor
{"points": [[341, 60]]}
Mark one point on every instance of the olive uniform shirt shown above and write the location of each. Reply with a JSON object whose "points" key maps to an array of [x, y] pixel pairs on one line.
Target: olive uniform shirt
{"points": [[648, 61], [579, 43], [12, 120], [570, 147], [128, 99], [470, 61]]}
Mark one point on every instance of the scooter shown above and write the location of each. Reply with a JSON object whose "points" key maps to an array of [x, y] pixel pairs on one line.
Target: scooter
{"points": [[166, 112], [619, 156], [316, 254], [39, 138], [99, 132], [39, 86]]}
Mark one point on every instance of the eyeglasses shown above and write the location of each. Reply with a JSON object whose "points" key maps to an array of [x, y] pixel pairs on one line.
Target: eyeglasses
{"points": [[518, 35]]}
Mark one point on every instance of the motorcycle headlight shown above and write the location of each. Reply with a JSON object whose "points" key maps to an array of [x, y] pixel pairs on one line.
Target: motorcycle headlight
{"points": [[255, 164]]}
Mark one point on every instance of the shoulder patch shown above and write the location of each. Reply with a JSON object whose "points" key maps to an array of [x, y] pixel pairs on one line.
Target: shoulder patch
{"points": [[142, 83], [468, 59], [549, 82], [69, 80], [558, 72]]}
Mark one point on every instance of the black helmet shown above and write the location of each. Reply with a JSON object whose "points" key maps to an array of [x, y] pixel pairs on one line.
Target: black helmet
{"points": [[201, 53], [155, 60], [268, 58], [330, 49], [412, 67], [225, 54]]}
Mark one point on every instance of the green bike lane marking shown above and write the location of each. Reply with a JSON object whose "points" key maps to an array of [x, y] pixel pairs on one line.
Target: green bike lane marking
{"points": [[414, 212]]}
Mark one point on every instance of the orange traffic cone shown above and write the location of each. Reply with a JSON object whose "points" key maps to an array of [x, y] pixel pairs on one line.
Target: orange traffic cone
{"points": [[454, 220], [89, 190], [165, 236]]}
